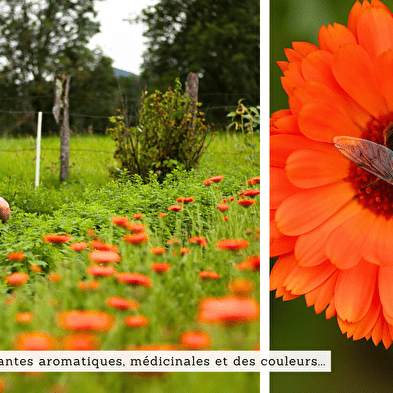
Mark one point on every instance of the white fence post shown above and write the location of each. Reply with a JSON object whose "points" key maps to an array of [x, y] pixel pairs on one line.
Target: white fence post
{"points": [[37, 160]]}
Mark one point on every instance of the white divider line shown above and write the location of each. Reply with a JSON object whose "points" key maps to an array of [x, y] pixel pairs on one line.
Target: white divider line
{"points": [[37, 161]]}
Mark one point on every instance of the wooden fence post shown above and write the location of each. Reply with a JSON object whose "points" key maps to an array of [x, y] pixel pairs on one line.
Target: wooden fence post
{"points": [[61, 114], [192, 92]]}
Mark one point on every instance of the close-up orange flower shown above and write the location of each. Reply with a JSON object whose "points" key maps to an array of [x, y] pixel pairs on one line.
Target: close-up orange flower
{"points": [[331, 219], [104, 256], [134, 279], [232, 244], [54, 238], [228, 310], [17, 279], [99, 321], [34, 341]]}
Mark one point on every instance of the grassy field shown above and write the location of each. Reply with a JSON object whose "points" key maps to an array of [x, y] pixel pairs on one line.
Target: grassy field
{"points": [[59, 280]]}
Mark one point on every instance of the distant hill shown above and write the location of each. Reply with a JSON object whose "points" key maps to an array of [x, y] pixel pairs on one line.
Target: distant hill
{"points": [[121, 72]]}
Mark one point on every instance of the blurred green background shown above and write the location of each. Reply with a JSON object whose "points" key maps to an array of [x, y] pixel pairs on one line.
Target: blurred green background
{"points": [[357, 366]]}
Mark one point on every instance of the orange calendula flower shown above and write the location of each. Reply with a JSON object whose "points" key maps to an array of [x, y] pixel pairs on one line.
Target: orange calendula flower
{"points": [[175, 208], [161, 215], [120, 221], [81, 342], [137, 216], [222, 207], [122, 303], [35, 268], [158, 250], [135, 321], [251, 193], [104, 256], [34, 341], [136, 227], [225, 218], [232, 244], [185, 200], [246, 202], [160, 267], [16, 256], [23, 317], [98, 270], [99, 321], [331, 220], [53, 238], [228, 310], [195, 340], [54, 277], [252, 262], [98, 245], [207, 274], [17, 279], [137, 238], [79, 246], [198, 239], [254, 180], [214, 179], [134, 279], [89, 285]]}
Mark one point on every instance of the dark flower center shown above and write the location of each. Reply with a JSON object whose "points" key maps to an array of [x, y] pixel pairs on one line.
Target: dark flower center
{"points": [[373, 193]]}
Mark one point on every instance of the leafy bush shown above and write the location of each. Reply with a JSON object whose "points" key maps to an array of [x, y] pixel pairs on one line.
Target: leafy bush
{"points": [[171, 133]]}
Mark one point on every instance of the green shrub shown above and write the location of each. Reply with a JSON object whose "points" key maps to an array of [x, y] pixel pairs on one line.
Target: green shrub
{"points": [[171, 134]]}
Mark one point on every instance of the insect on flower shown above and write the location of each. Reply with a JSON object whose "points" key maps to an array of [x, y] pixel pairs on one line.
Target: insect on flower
{"points": [[373, 157]]}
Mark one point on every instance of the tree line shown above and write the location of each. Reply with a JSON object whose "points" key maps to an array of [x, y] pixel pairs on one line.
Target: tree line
{"points": [[41, 38]]}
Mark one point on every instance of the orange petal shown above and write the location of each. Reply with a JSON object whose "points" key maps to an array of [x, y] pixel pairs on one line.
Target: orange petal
{"points": [[322, 295], [292, 78], [305, 210], [375, 31], [281, 269], [383, 66], [304, 48], [280, 187], [301, 280], [331, 38], [322, 121], [354, 72], [354, 291], [386, 291], [279, 243], [378, 241], [287, 123], [344, 242], [310, 248], [282, 145], [314, 168]]}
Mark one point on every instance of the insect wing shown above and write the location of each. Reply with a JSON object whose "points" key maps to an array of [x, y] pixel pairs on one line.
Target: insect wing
{"points": [[374, 158]]}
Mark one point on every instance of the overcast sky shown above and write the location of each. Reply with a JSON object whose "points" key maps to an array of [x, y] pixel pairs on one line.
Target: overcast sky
{"points": [[121, 41]]}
